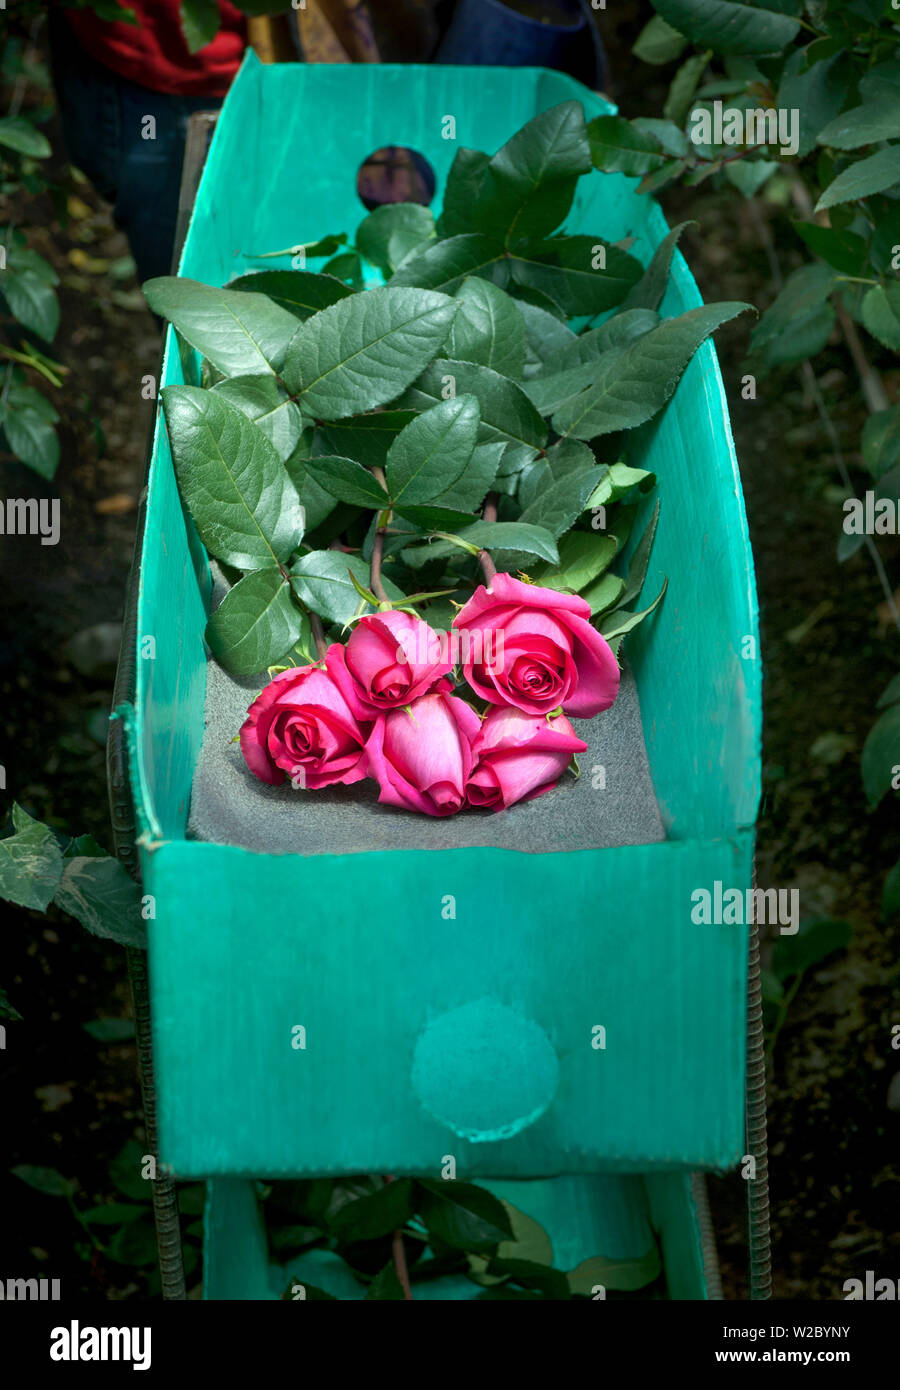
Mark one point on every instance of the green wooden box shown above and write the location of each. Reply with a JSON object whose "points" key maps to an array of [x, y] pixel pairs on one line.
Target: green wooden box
{"points": [[545, 947]]}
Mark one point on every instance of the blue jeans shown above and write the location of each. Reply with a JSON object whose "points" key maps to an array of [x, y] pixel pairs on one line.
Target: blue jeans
{"points": [[105, 123]]}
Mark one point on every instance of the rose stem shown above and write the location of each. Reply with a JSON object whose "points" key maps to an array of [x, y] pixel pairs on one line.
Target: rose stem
{"points": [[400, 1258], [488, 513], [375, 583], [318, 633]]}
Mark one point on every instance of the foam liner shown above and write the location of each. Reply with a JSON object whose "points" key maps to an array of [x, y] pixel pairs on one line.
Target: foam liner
{"points": [[373, 1009], [230, 806]]}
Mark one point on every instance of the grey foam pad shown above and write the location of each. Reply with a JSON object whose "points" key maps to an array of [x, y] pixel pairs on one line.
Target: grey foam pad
{"points": [[231, 806]]}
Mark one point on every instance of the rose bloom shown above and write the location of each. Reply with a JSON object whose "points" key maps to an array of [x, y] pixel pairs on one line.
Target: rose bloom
{"points": [[422, 757], [301, 726], [535, 649], [393, 658], [520, 756]]}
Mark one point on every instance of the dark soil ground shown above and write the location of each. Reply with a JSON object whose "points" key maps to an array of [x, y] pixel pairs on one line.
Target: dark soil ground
{"points": [[72, 1102]]}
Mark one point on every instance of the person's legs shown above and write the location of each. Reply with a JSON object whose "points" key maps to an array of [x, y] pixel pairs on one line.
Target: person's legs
{"points": [[154, 131], [129, 141]]}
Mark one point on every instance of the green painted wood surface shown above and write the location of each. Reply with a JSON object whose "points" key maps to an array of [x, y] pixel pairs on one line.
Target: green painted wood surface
{"points": [[355, 949], [617, 1218]]}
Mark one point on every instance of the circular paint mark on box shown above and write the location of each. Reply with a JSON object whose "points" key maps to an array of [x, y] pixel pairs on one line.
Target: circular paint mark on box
{"points": [[484, 1070]]}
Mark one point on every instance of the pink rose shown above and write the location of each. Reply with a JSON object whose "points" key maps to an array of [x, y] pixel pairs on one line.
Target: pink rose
{"points": [[422, 758], [520, 756], [534, 648], [301, 725], [394, 658]]}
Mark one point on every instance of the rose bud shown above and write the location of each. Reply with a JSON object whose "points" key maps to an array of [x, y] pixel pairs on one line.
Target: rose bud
{"points": [[394, 658], [301, 726], [520, 756], [535, 648], [422, 757]]}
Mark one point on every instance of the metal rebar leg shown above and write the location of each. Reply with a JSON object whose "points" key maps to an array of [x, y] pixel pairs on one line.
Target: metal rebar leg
{"points": [[165, 1198], [165, 1203], [759, 1236], [707, 1238]]}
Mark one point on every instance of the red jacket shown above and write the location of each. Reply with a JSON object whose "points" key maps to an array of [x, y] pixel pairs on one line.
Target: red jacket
{"points": [[154, 53]]}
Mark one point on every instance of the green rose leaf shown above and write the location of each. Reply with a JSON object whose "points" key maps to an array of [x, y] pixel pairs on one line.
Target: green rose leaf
{"points": [[464, 181], [558, 506], [818, 92], [727, 27], [548, 393], [475, 481], [489, 329], [113, 1214], [462, 1215], [321, 580], [47, 1180], [801, 308], [635, 382], [843, 250], [20, 257], [261, 399], [365, 438], [637, 569], [529, 184], [863, 125], [347, 480], [104, 898], [649, 290], [19, 134], [658, 43], [545, 336], [583, 557], [880, 313], [627, 1275], [749, 175], [514, 536], [618, 482], [31, 863], [300, 292], [604, 593], [617, 623], [881, 441], [890, 897], [315, 502], [617, 147], [255, 624], [584, 274], [377, 1214], [863, 178], [30, 434], [200, 20], [364, 351], [241, 334], [678, 104], [389, 233], [881, 81], [436, 518], [816, 939], [445, 264], [670, 136], [110, 1029], [31, 301], [134, 1243], [506, 412], [244, 505], [385, 1285], [430, 454], [881, 754]]}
